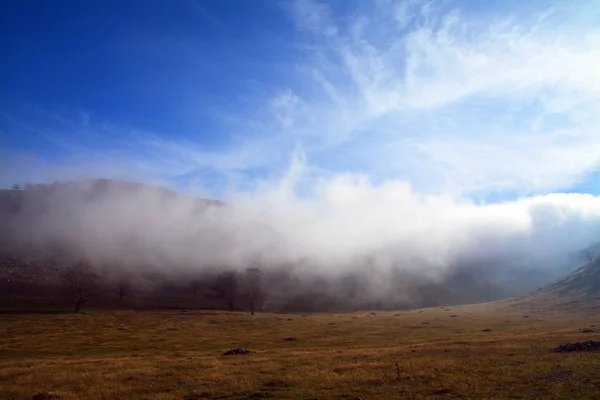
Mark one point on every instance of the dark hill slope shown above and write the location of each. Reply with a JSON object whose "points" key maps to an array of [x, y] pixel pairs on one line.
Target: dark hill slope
{"points": [[30, 217], [583, 282], [85, 191], [578, 292]]}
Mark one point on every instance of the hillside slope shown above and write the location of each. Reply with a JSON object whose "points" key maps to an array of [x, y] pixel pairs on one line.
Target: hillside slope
{"points": [[578, 292], [59, 214], [583, 282]]}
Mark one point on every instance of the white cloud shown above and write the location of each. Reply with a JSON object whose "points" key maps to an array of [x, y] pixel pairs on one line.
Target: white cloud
{"points": [[349, 224], [461, 88]]}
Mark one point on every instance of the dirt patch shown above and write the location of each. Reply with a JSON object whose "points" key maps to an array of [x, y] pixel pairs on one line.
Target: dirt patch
{"points": [[197, 396], [261, 395], [45, 396], [236, 351], [277, 384], [558, 374], [588, 345]]}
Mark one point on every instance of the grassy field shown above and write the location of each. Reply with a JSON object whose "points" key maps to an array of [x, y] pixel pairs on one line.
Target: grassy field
{"points": [[438, 353]]}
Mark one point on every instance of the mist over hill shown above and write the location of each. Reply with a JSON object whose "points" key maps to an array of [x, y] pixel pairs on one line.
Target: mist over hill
{"points": [[574, 293], [424, 251]]}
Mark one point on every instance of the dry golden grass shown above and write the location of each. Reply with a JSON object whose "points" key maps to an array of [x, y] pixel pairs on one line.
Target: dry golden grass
{"points": [[382, 355]]}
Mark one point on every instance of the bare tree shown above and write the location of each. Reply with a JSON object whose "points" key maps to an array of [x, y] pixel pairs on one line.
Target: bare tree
{"points": [[81, 284], [195, 286], [226, 285], [253, 287], [123, 289]]}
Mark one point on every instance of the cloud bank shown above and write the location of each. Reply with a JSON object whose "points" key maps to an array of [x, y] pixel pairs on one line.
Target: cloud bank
{"points": [[350, 227]]}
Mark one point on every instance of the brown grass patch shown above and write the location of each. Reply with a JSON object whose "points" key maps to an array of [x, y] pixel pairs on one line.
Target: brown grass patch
{"points": [[170, 355]]}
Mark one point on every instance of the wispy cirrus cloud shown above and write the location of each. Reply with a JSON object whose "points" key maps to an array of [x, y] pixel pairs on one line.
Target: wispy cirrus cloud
{"points": [[472, 102]]}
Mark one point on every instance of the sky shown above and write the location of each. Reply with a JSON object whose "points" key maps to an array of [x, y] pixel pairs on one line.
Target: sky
{"points": [[488, 102]]}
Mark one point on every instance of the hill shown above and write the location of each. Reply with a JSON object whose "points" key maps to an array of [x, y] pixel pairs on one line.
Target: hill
{"points": [[578, 292], [583, 282], [62, 215], [87, 191]]}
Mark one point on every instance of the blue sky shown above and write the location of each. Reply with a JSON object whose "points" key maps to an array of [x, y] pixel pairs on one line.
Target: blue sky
{"points": [[218, 97]]}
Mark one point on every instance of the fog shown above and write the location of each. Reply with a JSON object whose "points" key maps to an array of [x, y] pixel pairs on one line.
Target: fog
{"points": [[346, 227]]}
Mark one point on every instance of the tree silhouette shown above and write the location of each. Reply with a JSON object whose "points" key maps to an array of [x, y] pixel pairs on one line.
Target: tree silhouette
{"points": [[80, 284], [253, 287], [123, 289], [226, 285]]}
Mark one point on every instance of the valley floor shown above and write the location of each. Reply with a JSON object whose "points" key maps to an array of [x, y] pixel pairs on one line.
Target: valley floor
{"points": [[488, 351]]}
